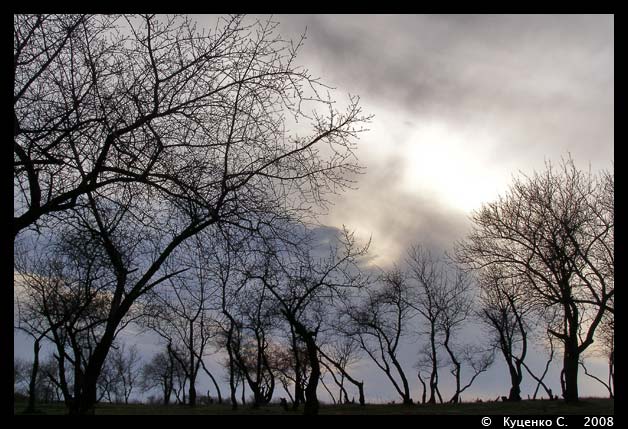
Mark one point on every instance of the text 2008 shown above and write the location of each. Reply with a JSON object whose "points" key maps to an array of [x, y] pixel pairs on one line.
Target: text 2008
{"points": [[598, 421]]}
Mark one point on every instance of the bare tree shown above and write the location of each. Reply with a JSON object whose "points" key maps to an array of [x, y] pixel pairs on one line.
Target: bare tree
{"points": [[426, 298], [456, 309], [228, 337], [510, 318], [341, 353], [296, 368], [61, 138], [36, 385], [378, 324], [423, 393], [184, 130], [101, 100], [181, 312], [505, 312], [159, 373], [47, 387], [21, 369], [256, 320], [61, 297], [249, 316], [556, 229], [606, 350], [291, 371], [106, 388], [303, 285], [126, 365], [443, 297], [218, 253], [32, 325]]}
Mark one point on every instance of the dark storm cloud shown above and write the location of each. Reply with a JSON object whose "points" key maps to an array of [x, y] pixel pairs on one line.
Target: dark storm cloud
{"points": [[541, 81], [420, 58]]}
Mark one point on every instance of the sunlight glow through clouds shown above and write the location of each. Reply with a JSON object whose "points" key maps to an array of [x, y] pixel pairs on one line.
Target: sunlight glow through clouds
{"points": [[449, 166]]}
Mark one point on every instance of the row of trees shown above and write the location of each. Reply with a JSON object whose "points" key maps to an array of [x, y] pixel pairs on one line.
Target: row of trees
{"points": [[164, 178], [121, 376], [284, 311]]}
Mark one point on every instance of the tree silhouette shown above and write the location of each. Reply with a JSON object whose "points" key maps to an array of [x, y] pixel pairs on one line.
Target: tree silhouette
{"points": [[556, 231]]}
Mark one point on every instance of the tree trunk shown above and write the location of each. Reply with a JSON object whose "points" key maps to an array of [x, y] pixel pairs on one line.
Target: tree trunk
{"points": [[343, 391], [343, 396], [84, 403], [32, 386], [515, 382], [311, 400], [361, 390], [434, 374], [570, 363], [243, 390], [456, 371], [167, 391], [85, 399], [423, 395], [331, 395], [515, 391], [358, 384], [257, 394], [193, 370], [192, 392], [407, 400], [298, 387], [169, 379], [539, 380], [213, 381], [232, 384], [611, 372]]}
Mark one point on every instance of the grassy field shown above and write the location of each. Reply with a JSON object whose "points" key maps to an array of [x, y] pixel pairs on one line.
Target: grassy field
{"points": [[587, 406]]}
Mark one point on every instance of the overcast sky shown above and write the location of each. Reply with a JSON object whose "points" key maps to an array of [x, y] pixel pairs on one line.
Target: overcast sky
{"points": [[461, 103]]}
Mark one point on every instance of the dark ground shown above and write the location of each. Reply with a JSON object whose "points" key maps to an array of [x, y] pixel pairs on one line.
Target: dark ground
{"points": [[587, 406]]}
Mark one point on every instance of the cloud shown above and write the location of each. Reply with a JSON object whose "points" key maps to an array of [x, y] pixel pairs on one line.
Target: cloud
{"points": [[542, 84], [504, 93]]}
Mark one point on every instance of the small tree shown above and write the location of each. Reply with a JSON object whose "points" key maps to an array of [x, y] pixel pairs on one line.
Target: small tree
{"points": [[426, 296], [61, 297], [341, 353], [302, 286], [378, 324], [182, 312], [126, 364], [505, 312], [442, 295], [159, 373], [456, 309], [256, 318], [21, 376]]}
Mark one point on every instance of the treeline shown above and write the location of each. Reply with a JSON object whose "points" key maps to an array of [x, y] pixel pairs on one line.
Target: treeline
{"points": [[283, 310]]}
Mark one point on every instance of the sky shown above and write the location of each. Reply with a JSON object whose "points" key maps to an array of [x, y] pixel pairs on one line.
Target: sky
{"points": [[461, 103]]}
